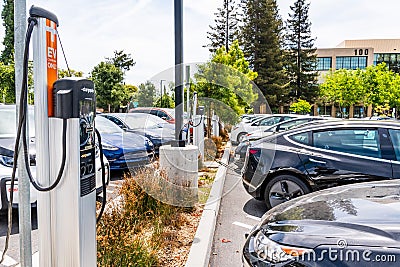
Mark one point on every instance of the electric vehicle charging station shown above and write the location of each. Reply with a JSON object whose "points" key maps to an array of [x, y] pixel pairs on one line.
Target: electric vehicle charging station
{"points": [[198, 127], [63, 108]]}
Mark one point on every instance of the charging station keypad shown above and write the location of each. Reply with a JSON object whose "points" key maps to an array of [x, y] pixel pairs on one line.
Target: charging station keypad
{"points": [[76, 99]]}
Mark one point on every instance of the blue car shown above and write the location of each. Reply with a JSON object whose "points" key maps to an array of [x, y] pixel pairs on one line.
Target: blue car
{"points": [[122, 149], [156, 129]]}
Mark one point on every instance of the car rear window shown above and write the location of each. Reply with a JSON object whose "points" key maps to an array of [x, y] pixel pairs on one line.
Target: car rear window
{"points": [[395, 138], [269, 121], [302, 138], [364, 142]]}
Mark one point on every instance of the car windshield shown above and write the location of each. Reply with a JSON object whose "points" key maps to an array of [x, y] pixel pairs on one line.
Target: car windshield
{"points": [[140, 122], [8, 123], [171, 112], [105, 126], [291, 124]]}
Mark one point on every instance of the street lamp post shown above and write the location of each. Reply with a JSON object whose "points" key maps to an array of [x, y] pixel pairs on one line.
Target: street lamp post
{"points": [[178, 14], [161, 93]]}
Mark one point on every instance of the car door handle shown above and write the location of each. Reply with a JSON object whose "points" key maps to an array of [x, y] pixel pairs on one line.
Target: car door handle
{"points": [[317, 161], [325, 170]]}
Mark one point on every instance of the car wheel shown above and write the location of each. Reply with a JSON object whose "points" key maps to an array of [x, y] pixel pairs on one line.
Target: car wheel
{"points": [[240, 137], [283, 188]]}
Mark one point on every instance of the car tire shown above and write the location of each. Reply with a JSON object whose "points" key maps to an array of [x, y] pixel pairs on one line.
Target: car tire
{"points": [[240, 136], [283, 188]]}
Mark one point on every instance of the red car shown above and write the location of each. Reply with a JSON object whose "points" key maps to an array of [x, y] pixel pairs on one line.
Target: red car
{"points": [[167, 114]]}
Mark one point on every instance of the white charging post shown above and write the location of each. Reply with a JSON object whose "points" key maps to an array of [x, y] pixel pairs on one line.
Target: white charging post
{"points": [[198, 127], [66, 214]]}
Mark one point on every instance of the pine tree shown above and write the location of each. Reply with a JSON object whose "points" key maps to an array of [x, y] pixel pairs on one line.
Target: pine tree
{"points": [[7, 14], [226, 28], [301, 53], [262, 41]]}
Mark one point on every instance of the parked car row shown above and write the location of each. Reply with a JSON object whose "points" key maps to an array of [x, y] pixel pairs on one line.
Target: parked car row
{"points": [[262, 122], [155, 129], [128, 140], [330, 185]]}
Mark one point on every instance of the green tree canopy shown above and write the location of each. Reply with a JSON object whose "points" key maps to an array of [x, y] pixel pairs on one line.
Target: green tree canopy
{"points": [[7, 15], [166, 101], [108, 77], [227, 78], [300, 53], [62, 73], [301, 107], [108, 81], [146, 94], [226, 27], [121, 60], [130, 92], [7, 81], [376, 85], [262, 40]]}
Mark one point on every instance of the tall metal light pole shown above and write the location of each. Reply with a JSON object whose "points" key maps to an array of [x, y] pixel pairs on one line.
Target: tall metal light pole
{"points": [[178, 13], [24, 205], [161, 92]]}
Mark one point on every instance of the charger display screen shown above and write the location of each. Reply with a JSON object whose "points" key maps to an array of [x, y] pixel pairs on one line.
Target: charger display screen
{"points": [[86, 121]]}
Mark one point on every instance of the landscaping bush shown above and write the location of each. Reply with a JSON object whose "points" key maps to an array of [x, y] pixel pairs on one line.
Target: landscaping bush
{"points": [[134, 229]]}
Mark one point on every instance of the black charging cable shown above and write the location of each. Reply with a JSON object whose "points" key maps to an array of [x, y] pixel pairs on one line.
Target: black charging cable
{"points": [[103, 178], [23, 120], [201, 120], [21, 130]]}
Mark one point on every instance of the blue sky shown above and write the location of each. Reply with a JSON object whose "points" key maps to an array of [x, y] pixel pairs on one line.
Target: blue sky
{"points": [[92, 29]]}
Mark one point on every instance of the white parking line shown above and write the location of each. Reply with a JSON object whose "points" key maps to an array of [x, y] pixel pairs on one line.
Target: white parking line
{"points": [[35, 260], [254, 218], [243, 225], [8, 261]]}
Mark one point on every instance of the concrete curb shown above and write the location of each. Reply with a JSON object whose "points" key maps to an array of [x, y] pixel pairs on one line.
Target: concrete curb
{"points": [[200, 251]]}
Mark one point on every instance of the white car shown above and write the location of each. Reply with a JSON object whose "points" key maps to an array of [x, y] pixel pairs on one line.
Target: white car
{"points": [[240, 130], [5, 183], [7, 142], [282, 126]]}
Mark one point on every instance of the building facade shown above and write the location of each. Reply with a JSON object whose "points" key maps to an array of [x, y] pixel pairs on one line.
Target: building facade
{"points": [[356, 54]]}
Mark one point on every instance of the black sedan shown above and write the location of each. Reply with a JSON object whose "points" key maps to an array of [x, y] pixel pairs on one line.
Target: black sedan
{"points": [[351, 225], [293, 163], [156, 129]]}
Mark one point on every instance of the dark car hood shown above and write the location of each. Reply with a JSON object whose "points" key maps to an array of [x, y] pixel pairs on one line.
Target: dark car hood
{"points": [[366, 214], [127, 141]]}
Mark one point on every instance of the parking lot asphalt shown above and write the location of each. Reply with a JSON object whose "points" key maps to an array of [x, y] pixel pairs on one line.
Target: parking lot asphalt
{"points": [[238, 213]]}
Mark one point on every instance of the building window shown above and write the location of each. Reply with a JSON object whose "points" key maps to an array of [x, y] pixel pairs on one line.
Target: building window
{"points": [[392, 60], [324, 63], [351, 63]]}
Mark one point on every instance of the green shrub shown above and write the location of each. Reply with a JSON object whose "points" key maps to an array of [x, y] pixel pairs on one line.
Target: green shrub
{"points": [[131, 232]]}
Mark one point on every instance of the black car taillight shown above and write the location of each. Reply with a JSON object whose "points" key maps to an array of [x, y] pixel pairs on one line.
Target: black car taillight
{"points": [[255, 152]]}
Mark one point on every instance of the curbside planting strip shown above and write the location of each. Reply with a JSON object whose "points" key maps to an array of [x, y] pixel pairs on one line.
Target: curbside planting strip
{"points": [[200, 250]]}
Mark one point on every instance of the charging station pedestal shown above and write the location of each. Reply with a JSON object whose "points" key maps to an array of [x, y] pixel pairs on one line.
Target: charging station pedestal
{"points": [[66, 214]]}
